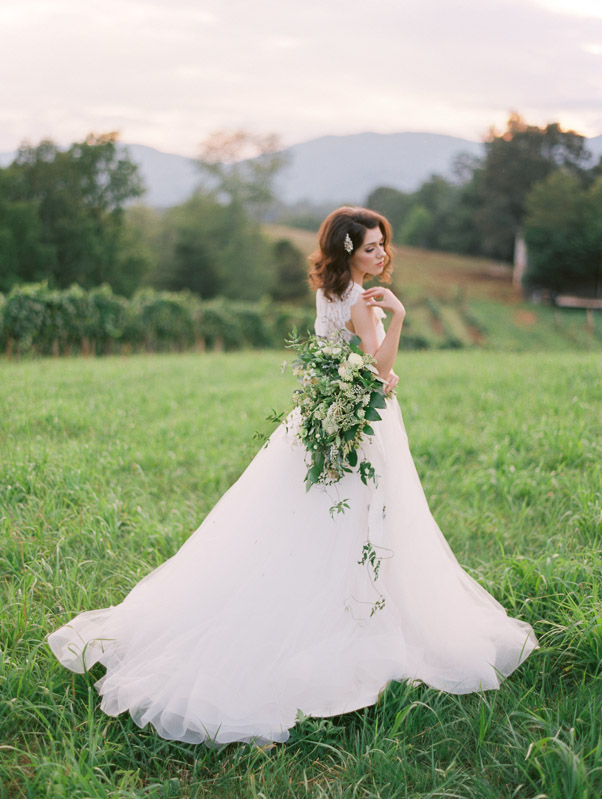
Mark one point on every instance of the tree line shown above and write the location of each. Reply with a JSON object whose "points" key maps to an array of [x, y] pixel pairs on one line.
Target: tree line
{"points": [[67, 216], [538, 182]]}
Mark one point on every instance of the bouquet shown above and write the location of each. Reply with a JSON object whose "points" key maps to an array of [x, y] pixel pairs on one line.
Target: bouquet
{"points": [[339, 397]]}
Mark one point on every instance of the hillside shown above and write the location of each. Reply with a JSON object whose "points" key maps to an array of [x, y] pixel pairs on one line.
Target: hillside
{"points": [[461, 301], [419, 272]]}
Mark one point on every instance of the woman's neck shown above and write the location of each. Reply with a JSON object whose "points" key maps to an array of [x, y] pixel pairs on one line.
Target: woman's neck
{"points": [[357, 278]]}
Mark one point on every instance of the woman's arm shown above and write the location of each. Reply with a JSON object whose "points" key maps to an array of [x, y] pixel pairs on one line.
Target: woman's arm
{"points": [[364, 324]]}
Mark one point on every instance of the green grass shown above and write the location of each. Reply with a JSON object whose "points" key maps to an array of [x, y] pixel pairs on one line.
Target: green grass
{"points": [[108, 465], [522, 326]]}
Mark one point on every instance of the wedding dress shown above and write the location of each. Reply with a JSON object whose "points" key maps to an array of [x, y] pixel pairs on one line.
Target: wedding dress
{"points": [[265, 610]]}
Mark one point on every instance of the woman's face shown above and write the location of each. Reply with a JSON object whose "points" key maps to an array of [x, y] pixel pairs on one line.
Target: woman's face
{"points": [[369, 258]]}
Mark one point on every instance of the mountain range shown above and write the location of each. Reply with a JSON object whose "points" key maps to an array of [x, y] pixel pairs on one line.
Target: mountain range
{"points": [[327, 170]]}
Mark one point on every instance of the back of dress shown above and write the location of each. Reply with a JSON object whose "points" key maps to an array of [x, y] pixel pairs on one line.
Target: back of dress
{"points": [[332, 315]]}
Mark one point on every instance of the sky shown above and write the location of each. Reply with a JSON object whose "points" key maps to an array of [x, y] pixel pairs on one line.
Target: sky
{"points": [[168, 74]]}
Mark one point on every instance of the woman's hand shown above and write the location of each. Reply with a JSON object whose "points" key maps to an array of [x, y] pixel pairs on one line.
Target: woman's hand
{"points": [[384, 298], [391, 381]]}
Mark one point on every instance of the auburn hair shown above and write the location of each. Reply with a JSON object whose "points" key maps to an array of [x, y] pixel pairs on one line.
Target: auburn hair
{"points": [[329, 264]]}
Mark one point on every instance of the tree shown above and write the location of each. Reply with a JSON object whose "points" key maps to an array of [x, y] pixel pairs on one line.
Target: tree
{"points": [[417, 227], [291, 272], [216, 243], [79, 196], [212, 249], [393, 204], [241, 168], [514, 162], [564, 235], [23, 254]]}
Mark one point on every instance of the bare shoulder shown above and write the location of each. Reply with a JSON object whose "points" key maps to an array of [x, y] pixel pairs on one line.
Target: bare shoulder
{"points": [[364, 324], [360, 310]]}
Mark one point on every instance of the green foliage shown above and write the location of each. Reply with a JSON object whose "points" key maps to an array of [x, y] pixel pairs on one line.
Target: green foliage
{"points": [[290, 282], [111, 312], [395, 205], [438, 216], [35, 318], [42, 321], [481, 210], [212, 250], [24, 312], [109, 465], [23, 254], [241, 168], [417, 226], [61, 215], [161, 320], [515, 161], [563, 230]]}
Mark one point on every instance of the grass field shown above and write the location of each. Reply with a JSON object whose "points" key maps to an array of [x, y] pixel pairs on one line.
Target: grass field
{"points": [[107, 467]]}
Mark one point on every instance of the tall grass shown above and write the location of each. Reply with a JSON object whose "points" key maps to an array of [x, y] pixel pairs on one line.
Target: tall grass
{"points": [[108, 466]]}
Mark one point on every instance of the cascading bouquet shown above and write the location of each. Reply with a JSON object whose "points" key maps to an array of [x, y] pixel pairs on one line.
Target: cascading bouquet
{"points": [[339, 397]]}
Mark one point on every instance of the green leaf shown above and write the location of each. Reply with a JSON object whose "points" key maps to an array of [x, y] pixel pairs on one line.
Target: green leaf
{"points": [[349, 435], [314, 473], [368, 430], [377, 399], [372, 415], [352, 458]]}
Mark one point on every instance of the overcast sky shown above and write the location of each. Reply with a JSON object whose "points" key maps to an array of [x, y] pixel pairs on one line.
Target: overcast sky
{"points": [[167, 74]]}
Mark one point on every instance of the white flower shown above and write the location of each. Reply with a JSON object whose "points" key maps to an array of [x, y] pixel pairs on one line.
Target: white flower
{"points": [[353, 359], [345, 372]]}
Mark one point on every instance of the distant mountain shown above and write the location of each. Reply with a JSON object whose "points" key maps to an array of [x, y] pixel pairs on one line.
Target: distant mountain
{"points": [[170, 179], [327, 170], [594, 145], [347, 168]]}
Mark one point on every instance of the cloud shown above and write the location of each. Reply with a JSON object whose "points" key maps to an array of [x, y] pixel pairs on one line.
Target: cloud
{"points": [[168, 74]]}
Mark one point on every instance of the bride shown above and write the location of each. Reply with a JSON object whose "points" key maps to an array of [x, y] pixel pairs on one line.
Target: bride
{"points": [[265, 611]]}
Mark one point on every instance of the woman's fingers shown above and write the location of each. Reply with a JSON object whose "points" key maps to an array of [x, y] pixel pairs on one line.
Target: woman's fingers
{"points": [[383, 298], [392, 381]]}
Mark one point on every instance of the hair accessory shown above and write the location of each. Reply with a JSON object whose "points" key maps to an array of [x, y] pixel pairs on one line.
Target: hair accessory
{"points": [[348, 244]]}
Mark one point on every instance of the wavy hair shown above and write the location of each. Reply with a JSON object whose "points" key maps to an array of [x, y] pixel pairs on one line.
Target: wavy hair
{"points": [[329, 264]]}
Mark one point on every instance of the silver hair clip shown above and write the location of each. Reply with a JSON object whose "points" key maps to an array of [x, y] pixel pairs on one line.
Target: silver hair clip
{"points": [[348, 244]]}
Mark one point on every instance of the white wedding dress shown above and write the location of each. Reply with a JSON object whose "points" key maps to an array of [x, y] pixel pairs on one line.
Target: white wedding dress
{"points": [[265, 610]]}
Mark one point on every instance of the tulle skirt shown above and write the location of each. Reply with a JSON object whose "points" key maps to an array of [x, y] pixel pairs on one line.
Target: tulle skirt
{"points": [[266, 612]]}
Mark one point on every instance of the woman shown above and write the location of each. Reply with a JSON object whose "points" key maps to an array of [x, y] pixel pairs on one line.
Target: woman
{"points": [[265, 611]]}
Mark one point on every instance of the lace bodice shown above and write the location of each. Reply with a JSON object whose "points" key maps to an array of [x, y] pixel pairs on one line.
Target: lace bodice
{"points": [[332, 315]]}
